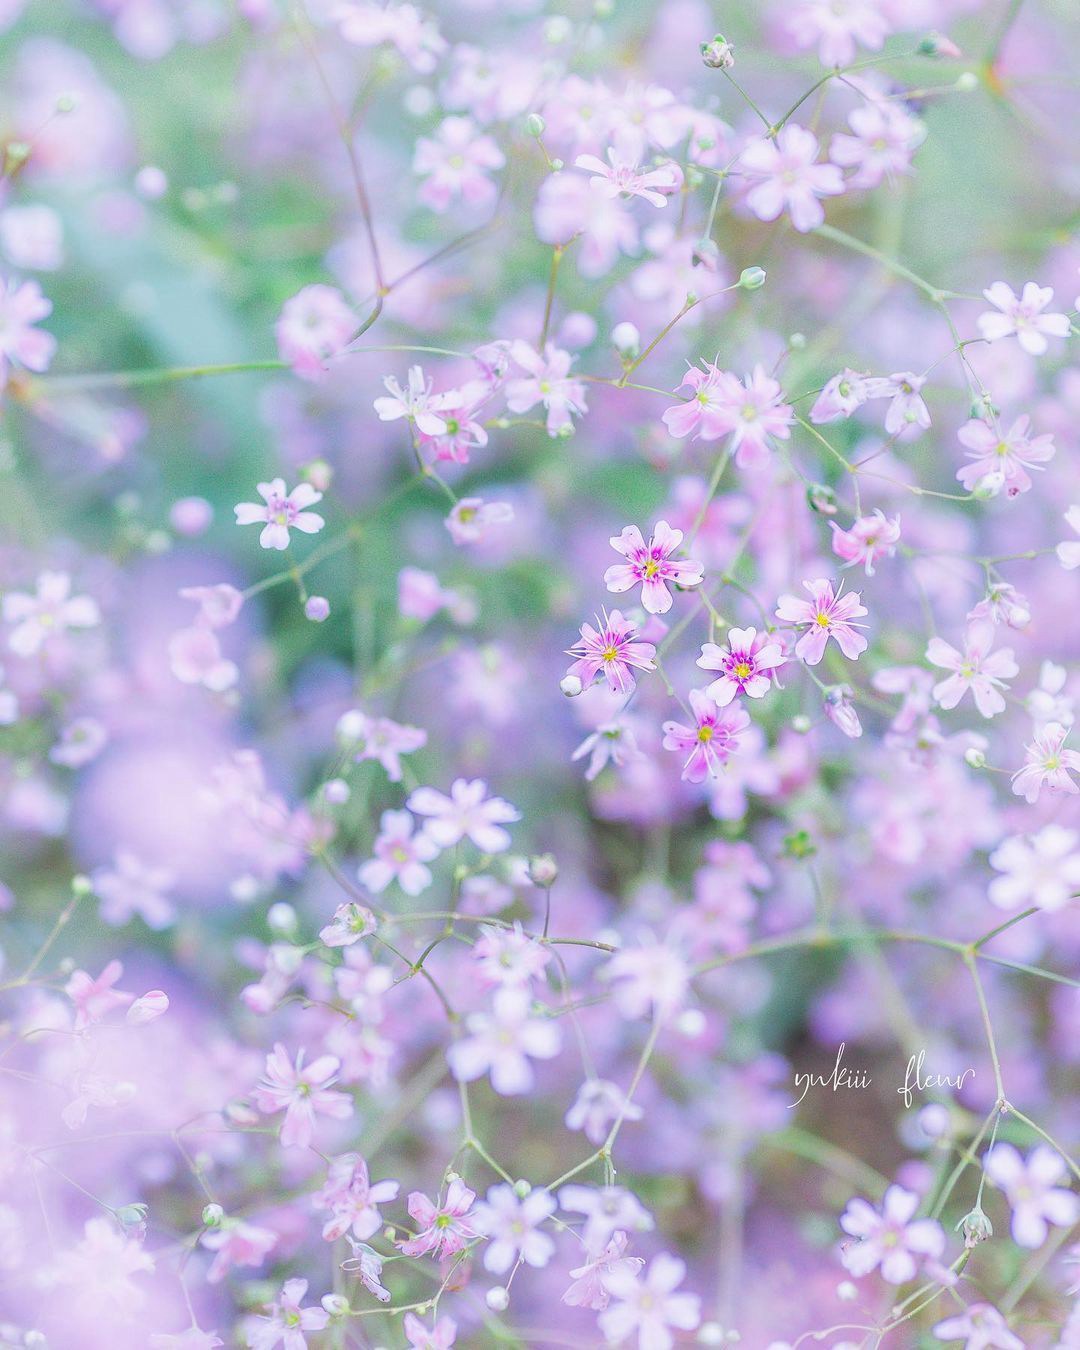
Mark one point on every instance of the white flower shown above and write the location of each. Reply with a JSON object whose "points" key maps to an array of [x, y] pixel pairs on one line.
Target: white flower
{"points": [[1043, 870], [1022, 315]]}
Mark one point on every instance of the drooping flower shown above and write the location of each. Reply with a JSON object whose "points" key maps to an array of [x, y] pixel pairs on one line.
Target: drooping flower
{"points": [[547, 380], [1032, 1190], [280, 512], [467, 813], [891, 1237], [744, 664], [455, 164], [315, 325], [501, 1043], [21, 344], [649, 1305], [868, 539], [651, 566], [1003, 456], [350, 923], [1047, 764], [844, 394], [787, 177], [367, 1264], [288, 1320], [907, 410], [1043, 870], [401, 852], [827, 614], [981, 1327], [443, 1227], [611, 649], [46, 614], [1022, 316], [511, 1223], [589, 1288], [976, 668], [712, 739], [302, 1092]]}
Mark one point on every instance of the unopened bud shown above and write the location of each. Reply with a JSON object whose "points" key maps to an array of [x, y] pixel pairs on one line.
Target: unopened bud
{"points": [[706, 254], [212, 1216], [570, 685], [989, 485], [497, 1299], [976, 1227], [626, 340], [16, 153], [148, 1008], [967, 83], [974, 757], [535, 125], [281, 918], [317, 608], [718, 54], [337, 1305], [752, 278], [800, 723], [66, 103], [937, 44], [81, 886], [319, 474], [822, 499], [543, 871], [131, 1216]]}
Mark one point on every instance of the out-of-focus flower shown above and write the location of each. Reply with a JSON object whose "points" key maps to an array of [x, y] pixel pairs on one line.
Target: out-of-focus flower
{"points": [[1043, 871], [472, 519], [441, 1336], [237, 1243], [649, 1305], [49, 612], [503, 1042], [401, 852], [837, 28], [1022, 316], [467, 813], [981, 1327], [132, 887], [315, 325], [547, 380], [869, 539], [415, 34], [786, 176], [288, 1320], [455, 164], [511, 1223], [21, 344], [890, 1238], [1032, 1190], [351, 1198]]}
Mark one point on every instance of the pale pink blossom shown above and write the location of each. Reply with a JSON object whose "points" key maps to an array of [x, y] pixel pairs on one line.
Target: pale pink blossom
{"points": [[380, 739], [827, 614], [509, 957], [611, 649], [195, 657], [32, 238], [785, 176], [99, 1273], [281, 511], [707, 413], [219, 605], [837, 28], [649, 1305], [981, 1327], [1068, 551], [21, 344], [81, 740], [745, 664], [441, 1336], [461, 433], [511, 1223], [49, 612], [1003, 456], [1033, 1191], [401, 853], [415, 34], [599, 1103], [302, 1092], [1047, 764], [977, 669], [907, 410], [351, 1198], [651, 566], [443, 1227], [1022, 316], [647, 979], [868, 539], [607, 1209], [884, 138], [503, 1043], [589, 1287], [416, 403], [890, 1238], [1003, 603], [467, 813], [350, 923], [547, 380], [132, 887], [95, 998], [288, 1320], [622, 175], [472, 519], [843, 395], [455, 164], [315, 325], [1043, 870], [711, 741], [237, 1243], [366, 1263]]}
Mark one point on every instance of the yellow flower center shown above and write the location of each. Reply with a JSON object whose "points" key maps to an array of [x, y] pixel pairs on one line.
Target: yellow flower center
{"points": [[822, 619], [742, 670]]}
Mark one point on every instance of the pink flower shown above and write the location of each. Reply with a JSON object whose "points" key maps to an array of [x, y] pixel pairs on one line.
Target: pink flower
{"points": [[195, 657], [455, 164], [380, 739], [1003, 603], [980, 1327], [237, 1244], [416, 403], [367, 1264], [511, 1223], [49, 612], [501, 1043], [1068, 551], [219, 605], [977, 668], [415, 34], [400, 855], [1022, 316], [1043, 871], [838, 27], [613, 649], [350, 923], [885, 137], [302, 1093], [1032, 1190], [890, 1238], [648, 979], [869, 538], [281, 511], [648, 1306], [468, 812], [547, 380], [621, 176], [827, 614], [1048, 764], [707, 414], [94, 999], [785, 177], [508, 957], [844, 394], [443, 1229], [1002, 457], [287, 1321], [439, 1337], [750, 410], [351, 1198], [314, 326], [130, 887], [589, 1288], [461, 432], [606, 1209], [21, 306], [614, 741], [98, 1274], [907, 409], [597, 1105], [472, 519], [651, 566], [744, 664], [711, 741], [840, 710]]}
